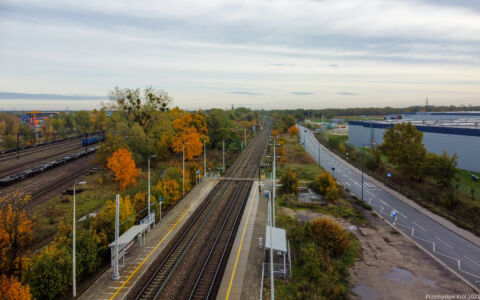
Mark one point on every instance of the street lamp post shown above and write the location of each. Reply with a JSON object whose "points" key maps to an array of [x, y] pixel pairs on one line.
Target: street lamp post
{"points": [[183, 168], [363, 162], [149, 157], [73, 238]]}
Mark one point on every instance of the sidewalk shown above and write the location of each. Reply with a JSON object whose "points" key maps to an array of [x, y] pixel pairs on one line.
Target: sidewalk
{"points": [[469, 236], [138, 261], [241, 279]]}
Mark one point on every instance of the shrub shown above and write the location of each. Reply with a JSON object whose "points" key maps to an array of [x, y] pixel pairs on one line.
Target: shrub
{"points": [[332, 192], [289, 182], [330, 235], [49, 272], [322, 182]]}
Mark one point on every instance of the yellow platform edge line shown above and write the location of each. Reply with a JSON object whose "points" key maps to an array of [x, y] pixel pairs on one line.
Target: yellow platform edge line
{"points": [[159, 243], [241, 243]]}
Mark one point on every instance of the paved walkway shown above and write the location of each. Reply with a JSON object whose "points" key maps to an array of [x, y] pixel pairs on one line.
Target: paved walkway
{"points": [[138, 261], [243, 270]]}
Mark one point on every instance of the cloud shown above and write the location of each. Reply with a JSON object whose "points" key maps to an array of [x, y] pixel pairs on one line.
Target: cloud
{"points": [[26, 96], [347, 94], [201, 49], [301, 93], [246, 93]]}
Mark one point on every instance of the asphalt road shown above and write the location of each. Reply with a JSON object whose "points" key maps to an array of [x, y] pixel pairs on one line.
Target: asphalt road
{"points": [[455, 251]]}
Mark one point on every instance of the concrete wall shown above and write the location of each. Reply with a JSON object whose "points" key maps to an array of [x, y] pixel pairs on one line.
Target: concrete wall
{"points": [[467, 147]]}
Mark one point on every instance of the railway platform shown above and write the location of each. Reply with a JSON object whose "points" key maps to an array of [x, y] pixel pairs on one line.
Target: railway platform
{"points": [[241, 279], [138, 260]]}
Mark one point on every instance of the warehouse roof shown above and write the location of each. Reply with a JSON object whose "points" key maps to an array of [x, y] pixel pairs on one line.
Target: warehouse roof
{"points": [[470, 126]]}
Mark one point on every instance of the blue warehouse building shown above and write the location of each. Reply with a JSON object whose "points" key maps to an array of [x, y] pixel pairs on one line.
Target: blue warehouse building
{"points": [[459, 135]]}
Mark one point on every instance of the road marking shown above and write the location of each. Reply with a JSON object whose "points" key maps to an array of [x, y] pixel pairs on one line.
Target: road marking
{"points": [[159, 243], [241, 243], [419, 226], [474, 262], [443, 242]]}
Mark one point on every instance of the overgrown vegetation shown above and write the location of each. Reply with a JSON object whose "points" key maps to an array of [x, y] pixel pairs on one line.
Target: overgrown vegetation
{"points": [[322, 253]]}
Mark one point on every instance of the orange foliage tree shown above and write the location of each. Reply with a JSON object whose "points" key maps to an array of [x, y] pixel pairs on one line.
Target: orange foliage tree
{"points": [[191, 132], [123, 166], [293, 130], [12, 289], [274, 132], [15, 232]]}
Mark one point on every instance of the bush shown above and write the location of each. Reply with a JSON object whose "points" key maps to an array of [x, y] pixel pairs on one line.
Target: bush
{"points": [[330, 235], [49, 273], [322, 182], [289, 182], [332, 192]]}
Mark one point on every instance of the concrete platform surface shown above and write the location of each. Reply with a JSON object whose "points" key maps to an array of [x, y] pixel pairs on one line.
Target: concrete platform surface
{"points": [[243, 270]]}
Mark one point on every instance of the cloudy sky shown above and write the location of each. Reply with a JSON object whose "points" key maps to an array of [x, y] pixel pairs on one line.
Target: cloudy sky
{"points": [[257, 53]]}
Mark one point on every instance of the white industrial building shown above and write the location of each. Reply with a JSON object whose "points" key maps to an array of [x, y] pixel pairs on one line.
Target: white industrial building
{"points": [[455, 133]]}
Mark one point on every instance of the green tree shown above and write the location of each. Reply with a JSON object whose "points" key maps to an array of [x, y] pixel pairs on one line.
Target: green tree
{"points": [[403, 146], [82, 121], [442, 168], [140, 107], [289, 182], [49, 272]]}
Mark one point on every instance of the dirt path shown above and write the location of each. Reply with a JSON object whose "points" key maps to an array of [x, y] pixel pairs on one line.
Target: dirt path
{"points": [[392, 267]]}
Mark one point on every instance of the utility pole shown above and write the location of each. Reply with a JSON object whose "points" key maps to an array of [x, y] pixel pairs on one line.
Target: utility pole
{"points": [[245, 137], [183, 170], [223, 155], [150, 221], [116, 274], [18, 145], [204, 159], [74, 269], [274, 180], [272, 287]]}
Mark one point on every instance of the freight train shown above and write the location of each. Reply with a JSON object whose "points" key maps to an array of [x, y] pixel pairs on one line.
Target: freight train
{"points": [[93, 140], [44, 167]]}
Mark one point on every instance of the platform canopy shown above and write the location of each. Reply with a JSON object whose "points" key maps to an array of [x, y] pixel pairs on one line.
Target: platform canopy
{"points": [[129, 235], [279, 239]]}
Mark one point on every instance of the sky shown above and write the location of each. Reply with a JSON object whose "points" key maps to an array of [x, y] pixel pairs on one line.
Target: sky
{"points": [[57, 55]]}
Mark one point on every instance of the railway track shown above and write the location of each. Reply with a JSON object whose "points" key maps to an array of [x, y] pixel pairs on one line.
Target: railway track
{"points": [[197, 256], [27, 152], [12, 165]]}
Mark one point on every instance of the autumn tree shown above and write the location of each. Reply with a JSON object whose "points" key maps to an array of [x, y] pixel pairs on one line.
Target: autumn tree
{"points": [[191, 133], [123, 166], [12, 289], [293, 130], [289, 182], [15, 232], [403, 146]]}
